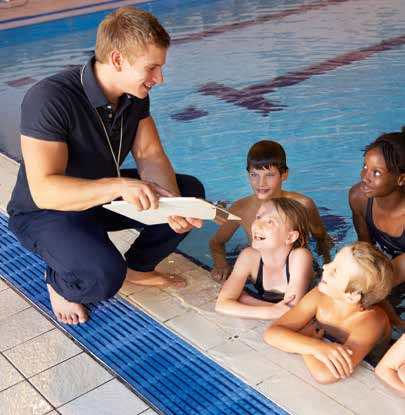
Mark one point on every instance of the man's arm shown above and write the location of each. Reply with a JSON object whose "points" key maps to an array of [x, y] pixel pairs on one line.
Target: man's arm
{"points": [[46, 162], [358, 205], [152, 163], [154, 167]]}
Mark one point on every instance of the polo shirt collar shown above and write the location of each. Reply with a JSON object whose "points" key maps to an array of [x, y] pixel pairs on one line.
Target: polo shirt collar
{"points": [[91, 87]]}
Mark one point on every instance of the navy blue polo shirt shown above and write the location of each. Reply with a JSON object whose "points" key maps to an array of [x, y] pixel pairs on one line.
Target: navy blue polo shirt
{"points": [[63, 108]]}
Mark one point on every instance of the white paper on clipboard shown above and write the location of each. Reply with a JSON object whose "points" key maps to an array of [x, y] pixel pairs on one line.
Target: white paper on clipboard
{"points": [[189, 207]]}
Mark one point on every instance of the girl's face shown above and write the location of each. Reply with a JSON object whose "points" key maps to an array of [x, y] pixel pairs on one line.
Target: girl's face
{"points": [[270, 229], [337, 274], [376, 180], [266, 183]]}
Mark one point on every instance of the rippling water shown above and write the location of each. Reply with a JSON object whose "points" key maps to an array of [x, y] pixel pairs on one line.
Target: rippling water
{"points": [[329, 75]]}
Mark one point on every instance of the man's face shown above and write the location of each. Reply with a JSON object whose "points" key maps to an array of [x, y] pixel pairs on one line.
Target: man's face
{"points": [[139, 77]]}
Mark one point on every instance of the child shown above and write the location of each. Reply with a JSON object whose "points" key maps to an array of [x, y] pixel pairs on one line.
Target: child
{"points": [[278, 263], [378, 201], [343, 306], [391, 368], [267, 168]]}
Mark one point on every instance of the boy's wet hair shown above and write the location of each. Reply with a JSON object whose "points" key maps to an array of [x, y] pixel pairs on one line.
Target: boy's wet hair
{"points": [[129, 30], [297, 216], [392, 147], [376, 281], [265, 154]]}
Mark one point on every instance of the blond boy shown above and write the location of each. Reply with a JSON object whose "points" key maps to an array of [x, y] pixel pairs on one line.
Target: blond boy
{"points": [[344, 306]]}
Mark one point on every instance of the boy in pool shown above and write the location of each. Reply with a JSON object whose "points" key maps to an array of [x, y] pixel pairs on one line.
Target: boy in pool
{"points": [[344, 306], [391, 369], [378, 201], [267, 169], [279, 264]]}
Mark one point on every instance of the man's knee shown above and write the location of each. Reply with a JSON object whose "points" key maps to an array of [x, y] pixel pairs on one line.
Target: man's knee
{"points": [[190, 186], [109, 276]]}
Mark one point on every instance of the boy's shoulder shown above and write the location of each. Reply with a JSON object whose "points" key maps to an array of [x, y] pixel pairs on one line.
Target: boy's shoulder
{"points": [[299, 197], [244, 203]]}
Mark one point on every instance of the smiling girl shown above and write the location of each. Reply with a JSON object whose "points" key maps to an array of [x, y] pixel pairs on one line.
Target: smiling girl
{"points": [[278, 264], [378, 201]]}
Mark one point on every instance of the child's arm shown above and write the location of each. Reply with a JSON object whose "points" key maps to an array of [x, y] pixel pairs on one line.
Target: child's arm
{"points": [[391, 369], [217, 244], [358, 205], [363, 337], [324, 242], [232, 290], [319, 356], [301, 274]]}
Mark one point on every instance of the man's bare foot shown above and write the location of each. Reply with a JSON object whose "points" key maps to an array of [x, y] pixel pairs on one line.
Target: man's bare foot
{"points": [[155, 279], [65, 311]]}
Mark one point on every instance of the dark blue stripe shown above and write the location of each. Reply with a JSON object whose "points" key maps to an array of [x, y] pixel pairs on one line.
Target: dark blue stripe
{"points": [[170, 374]]}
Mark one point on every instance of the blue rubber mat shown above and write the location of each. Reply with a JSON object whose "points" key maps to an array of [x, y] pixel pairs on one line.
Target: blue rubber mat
{"points": [[170, 374]]}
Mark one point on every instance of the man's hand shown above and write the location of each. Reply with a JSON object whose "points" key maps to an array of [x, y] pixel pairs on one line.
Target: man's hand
{"points": [[182, 225], [336, 358], [144, 195]]}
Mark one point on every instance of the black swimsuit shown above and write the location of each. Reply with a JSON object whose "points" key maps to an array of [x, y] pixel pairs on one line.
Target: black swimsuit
{"points": [[391, 246], [256, 289]]}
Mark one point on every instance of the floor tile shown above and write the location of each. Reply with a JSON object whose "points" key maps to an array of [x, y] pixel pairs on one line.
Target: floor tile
{"points": [[111, 398], [128, 289], [70, 379], [40, 353], [3, 285], [159, 304], [198, 330], [149, 412], [21, 327], [298, 397], [9, 375], [11, 303], [242, 360], [23, 399]]}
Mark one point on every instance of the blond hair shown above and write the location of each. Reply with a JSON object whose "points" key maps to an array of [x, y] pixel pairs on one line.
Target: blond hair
{"points": [[296, 216], [376, 281], [129, 29]]}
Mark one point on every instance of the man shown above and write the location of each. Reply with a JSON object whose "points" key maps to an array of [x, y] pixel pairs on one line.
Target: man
{"points": [[77, 127]]}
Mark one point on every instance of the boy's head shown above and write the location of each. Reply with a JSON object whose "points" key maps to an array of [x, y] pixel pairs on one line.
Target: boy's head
{"points": [[267, 168], [384, 165], [129, 30], [281, 221], [359, 273], [265, 154]]}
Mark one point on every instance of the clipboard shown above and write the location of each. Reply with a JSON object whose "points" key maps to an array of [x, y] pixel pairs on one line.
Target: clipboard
{"points": [[189, 207]]}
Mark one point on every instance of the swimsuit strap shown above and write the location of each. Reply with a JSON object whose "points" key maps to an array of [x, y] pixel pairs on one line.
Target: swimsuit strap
{"points": [[287, 268], [259, 278]]}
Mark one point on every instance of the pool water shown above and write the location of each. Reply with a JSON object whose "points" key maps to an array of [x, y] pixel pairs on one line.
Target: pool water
{"points": [[324, 78]]}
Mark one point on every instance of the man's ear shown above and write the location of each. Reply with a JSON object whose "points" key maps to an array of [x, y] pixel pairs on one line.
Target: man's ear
{"points": [[292, 237], [116, 60], [353, 297], [401, 179]]}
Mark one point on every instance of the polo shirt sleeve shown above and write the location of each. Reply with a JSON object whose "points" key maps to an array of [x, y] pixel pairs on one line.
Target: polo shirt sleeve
{"points": [[145, 109], [45, 113]]}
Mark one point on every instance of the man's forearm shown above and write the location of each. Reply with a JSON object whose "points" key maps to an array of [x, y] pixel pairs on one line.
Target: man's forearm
{"points": [[159, 171], [59, 192]]}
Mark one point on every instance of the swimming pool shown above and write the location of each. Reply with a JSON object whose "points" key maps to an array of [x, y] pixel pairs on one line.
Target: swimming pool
{"points": [[324, 78]]}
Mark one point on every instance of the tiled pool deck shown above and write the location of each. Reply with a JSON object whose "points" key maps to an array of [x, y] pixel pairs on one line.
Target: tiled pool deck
{"points": [[42, 371]]}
